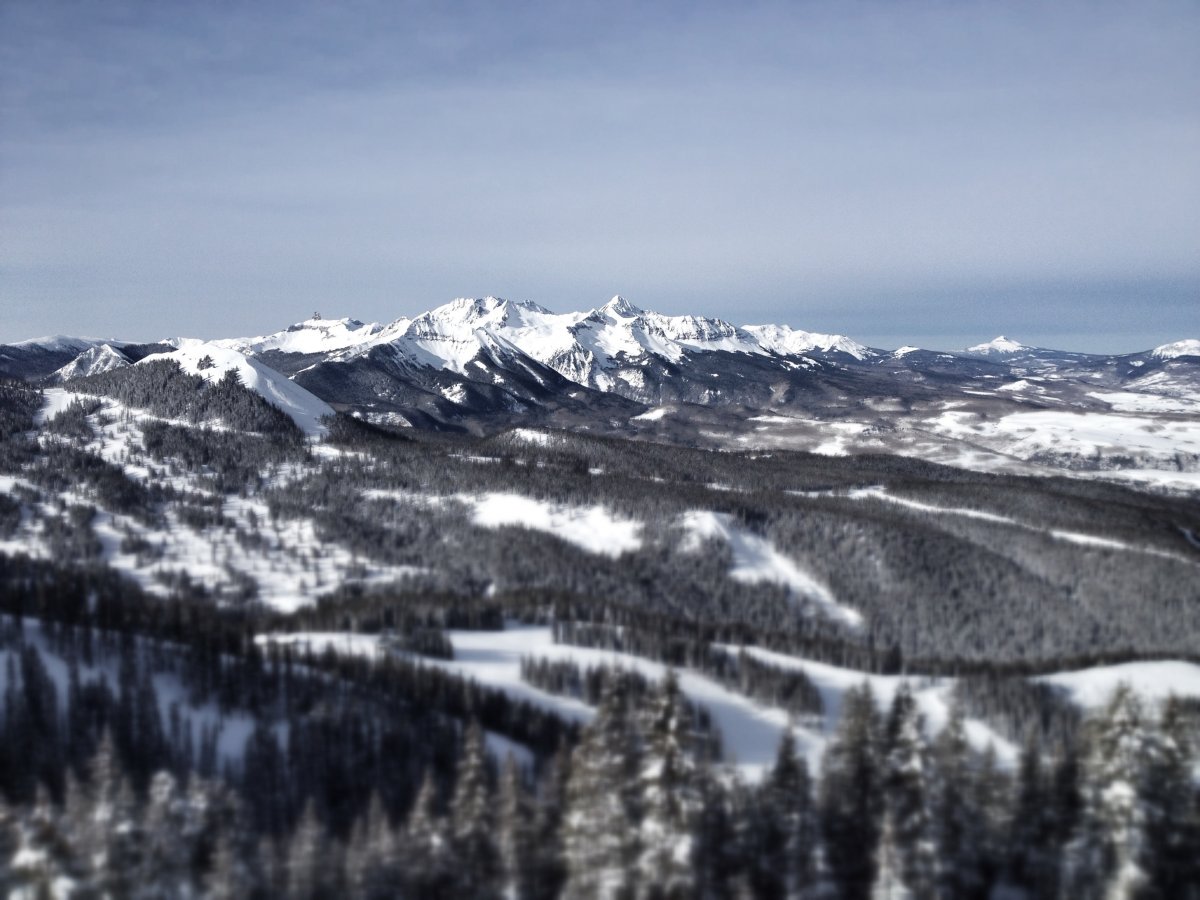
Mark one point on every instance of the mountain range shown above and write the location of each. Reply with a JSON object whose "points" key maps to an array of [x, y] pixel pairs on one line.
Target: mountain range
{"points": [[485, 364]]}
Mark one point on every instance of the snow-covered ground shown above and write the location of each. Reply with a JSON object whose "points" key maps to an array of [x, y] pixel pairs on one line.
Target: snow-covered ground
{"points": [[289, 564], [593, 528], [933, 697], [755, 559], [750, 732], [1082, 434], [1139, 402], [1154, 681]]}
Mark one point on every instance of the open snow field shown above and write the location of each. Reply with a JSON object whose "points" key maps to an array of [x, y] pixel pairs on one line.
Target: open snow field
{"points": [[750, 730]]}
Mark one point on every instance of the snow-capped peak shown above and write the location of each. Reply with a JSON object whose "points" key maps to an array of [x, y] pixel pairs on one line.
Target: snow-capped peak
{"points": [[905, 350], [93, 361], [1189, 347], [619, 306], [1000, 344]]}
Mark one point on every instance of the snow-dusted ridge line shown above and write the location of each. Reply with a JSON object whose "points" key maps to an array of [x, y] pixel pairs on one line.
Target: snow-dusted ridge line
{"points": [[584, 346], [1074, 537], [194, 356]]}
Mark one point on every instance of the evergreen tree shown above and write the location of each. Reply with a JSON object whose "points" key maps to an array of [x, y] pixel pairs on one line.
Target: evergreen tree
{"points": [[1033, 854], [314, 866], [515, 834], [850, 796], [1111, 853], [906, 795], [1173, 801], [429, 871], [473, 822], [785, 832], [600, 829], [954, 821], [373, 855], [670, 798]]}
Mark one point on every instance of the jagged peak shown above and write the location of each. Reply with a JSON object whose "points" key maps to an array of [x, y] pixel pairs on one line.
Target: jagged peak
{"points": [[619, 306]]}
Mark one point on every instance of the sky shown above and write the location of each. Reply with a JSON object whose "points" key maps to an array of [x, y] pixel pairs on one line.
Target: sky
{"points": [[905, 173]]}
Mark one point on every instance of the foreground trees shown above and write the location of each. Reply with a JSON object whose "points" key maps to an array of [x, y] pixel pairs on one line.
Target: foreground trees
{"points": [[635, 809]]}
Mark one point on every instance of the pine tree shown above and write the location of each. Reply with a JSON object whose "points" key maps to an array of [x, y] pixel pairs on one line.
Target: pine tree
{"points": [[785, 830], [165, 861], [1172, 800], [1110, 855], [954, 822], [430, 868], [473, 822], [313, 863], [850, 796], [906, 794], [372, 855], [600, 828], [670, 799], [1033, 856], [516, 835], [549, 871], [890, 881], [990, 793]]}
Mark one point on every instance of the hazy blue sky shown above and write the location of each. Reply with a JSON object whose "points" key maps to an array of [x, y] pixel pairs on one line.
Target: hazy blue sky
{"points": [[931, 173]]}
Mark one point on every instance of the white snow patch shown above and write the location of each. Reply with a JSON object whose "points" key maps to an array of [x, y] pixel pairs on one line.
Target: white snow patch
{"points": [[933, 697], [653, 415], [1155, 681], [594, 528], [1136, 402]]}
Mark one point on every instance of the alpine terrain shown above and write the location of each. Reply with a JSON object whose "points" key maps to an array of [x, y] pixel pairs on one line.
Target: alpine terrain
{"points": [[496, 601]]}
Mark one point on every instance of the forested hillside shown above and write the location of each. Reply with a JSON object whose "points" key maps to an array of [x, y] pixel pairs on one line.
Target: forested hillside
{"points": [[239, 661]]}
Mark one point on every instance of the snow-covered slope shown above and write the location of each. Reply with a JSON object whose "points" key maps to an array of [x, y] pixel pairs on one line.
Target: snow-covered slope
{"points": [[588, 348], [211, 361], [787, 341], [1189, 347], [93, 361]]}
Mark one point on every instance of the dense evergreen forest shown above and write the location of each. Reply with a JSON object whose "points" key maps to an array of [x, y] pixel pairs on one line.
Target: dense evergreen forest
{"points": [[155, 527]]}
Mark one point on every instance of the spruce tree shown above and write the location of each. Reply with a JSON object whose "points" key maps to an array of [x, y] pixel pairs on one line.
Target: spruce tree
{"points": [[1110, 854], [515, 828], [670, 797], [850, 796], [1173, 801], [472, 821], [600, 830], [906, 794]]}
